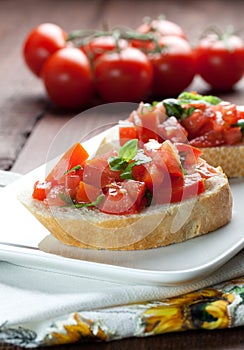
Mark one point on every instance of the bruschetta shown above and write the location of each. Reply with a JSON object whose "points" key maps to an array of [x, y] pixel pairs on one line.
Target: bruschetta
{"points": [[141, 196], [206, 122]]}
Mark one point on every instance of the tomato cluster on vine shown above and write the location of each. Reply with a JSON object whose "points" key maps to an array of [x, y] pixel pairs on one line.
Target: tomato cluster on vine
{"points": [[152, 62]]}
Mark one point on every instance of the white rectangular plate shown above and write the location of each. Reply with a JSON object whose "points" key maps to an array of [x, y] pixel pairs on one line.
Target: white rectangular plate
{"points": [[20, 234]]}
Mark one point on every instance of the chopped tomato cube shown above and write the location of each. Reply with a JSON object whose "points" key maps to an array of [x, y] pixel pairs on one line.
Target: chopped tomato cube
{"points": [[87, 193], [57, 195], [189, 155], [126, 133], [172, 130], [210, 139], [149, 173], [76, 155], [123, 198], [233, 135], [97, 171], [41, 189], [179, 189]]}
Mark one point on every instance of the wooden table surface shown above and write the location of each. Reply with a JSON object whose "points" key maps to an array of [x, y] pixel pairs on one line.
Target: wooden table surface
{"points": [[29, 123]]}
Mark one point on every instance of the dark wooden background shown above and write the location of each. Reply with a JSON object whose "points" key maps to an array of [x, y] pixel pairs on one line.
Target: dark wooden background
{"points": [[29, 123]]}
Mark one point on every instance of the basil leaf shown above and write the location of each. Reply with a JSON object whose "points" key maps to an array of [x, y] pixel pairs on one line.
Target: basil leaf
{"points": [[174, 109], [117, 163], [187, 97], [92, 204], [77, 167], [141, 158], [129, 150], [127, 173]]}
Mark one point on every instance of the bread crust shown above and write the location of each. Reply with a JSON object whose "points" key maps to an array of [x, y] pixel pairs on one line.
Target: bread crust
{"points": [[154, 227], [230, 158]]}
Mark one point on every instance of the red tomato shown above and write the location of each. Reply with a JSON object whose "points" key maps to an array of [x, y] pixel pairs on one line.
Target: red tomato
{"points": [[97, 171], [41, 43], [197, 123], [211, 138], [172, 130], [41, 189], [233, 135], [220, 62], [165, 156], [123, 198], [97, 46], [87, 193], [148, 173], [67, 77], [123, 76], [162, 27], [173, 67], [189, 155], [75, 155], [54, 196], [126, 133]]}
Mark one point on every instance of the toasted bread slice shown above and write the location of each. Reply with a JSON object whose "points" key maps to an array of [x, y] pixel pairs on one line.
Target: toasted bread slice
{"points": [[230, 158], [155, 226]]}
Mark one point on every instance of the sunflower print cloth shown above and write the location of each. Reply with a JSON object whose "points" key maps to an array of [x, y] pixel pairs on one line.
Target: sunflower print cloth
{"points": [[219, 306]]}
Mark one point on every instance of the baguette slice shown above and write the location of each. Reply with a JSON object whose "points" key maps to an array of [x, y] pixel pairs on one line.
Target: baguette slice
{"points": [[154, 227], [230, 158]]}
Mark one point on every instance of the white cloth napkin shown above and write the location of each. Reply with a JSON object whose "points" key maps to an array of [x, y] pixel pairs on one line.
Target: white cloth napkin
{"points": [[29, 295]]}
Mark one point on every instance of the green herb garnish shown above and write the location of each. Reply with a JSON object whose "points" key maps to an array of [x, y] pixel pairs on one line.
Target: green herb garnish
{"points": [[188, 97], [92, 204], [128, 157], [174, 109], [68, 201], [77, 167]]}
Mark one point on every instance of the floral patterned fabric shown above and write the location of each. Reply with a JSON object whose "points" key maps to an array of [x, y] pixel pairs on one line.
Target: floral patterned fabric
{"points": [[219, 306]]}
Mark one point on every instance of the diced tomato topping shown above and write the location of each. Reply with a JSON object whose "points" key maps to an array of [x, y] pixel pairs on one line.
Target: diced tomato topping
{"points": [[57, 196], [205, 170], [170, 158], [146, 123], [240, 112], [71, 182], [195, 122], [189, 155], [210, 139], [172, 130], [126, 133], [41, 189], [233, 135], [97, 171], [87, 193], [178, 189], [148, 173], [123, 198], [76, 155]]}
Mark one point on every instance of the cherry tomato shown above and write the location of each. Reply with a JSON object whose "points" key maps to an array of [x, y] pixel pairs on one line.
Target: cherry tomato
{"points": [[97, 46], [173, 67], [67, 77], [123, 76], [41, 43], [162, 27], [220, 62]]}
